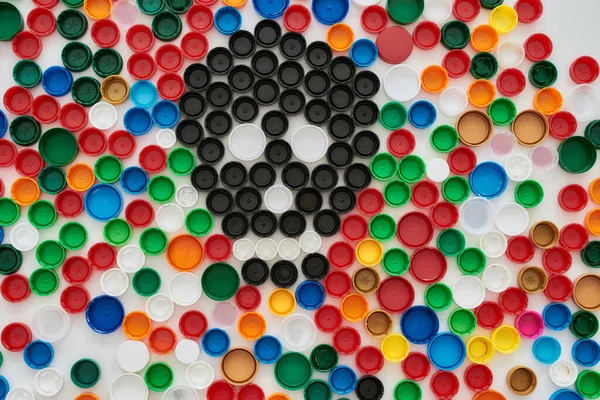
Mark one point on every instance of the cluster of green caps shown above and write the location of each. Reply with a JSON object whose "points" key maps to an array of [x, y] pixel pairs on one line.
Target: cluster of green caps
{"points": [[77, 57]]}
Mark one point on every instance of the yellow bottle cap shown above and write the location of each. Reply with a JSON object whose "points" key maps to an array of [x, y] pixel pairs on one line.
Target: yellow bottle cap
{"points": [[114, 89], [24, 191], [506, 339], [369, 252], [235, 3], [592, 221], [137, 325], [97, 9], [480, 349], [395, 347], [80, 177], [251, 325], [354, 307], [481, 93], [282, 302], [340, 37], [484, 38], [548, 101], [503, 18]]}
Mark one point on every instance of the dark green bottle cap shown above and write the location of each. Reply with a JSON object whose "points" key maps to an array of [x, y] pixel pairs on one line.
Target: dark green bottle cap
{"points": [[543, 74], [450, 242], [471, 261], [462, 321], [293, 371], [42, 214], [158, 377], [86, 91], [199, 222], [395, 261], [153, 241], [324, 358], [584, 324], [146, 282], [151, 7], [456, 189], [25, 130], [590, 255], [161, 189], [444, 138], [166, 26], [317, 390], [220, 281], [85, 373], [181, 161], [577, 154], [76, 56], [73, 236], [10, 259], [9, 211], [50, 254], [382, 227], [71, 24], [179, 6], [407, 390], [411, 168], [12, 21], [27, 73], [502, 111], [108, 169], [107, 62], [455, 35], [592, 132], [491, 4], [73, 3], [529, 193], [58, 147], [438, 296], [117, 232], [405, 12], [52, 180], [393, 115], [43, 281], [484, 66], [396, 193]]}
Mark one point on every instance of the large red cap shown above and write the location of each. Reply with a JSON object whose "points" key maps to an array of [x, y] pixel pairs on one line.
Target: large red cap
{"points": [[153, 158], [394, 44], [428, 265], [466, 10], [538, 47], [41, 21], [76, 269], [140, 38], [194, 45], [444, 385], [296, 18], [563, 124], [27, 45], [557, 260], [68, 203], [199, 18], [489, 315], [401, 142], [416, 366], [170, 86], [374, 19], [529, 11], [574, 237], [370, 202], [121, 144], [220, 390], [92, 141], [559, 288], [251, 391], [45, 3], [218, 247], [415, 229], [248, 298], [346, 340], [102, 256], [478, 377], [193, 324], [444, 215], [162, 340], [462, 160], [105, 33], [520, 249], [15, 336], [141, 66], [74, 299], [573, 197], [17, 100], [73, 117], [337, 284], [169, 57], [456, 62], [45, 109], [426, 35], [424, 194], [29, 162], [369, 360], [341, 255], [354, 227], [15, 288], [584, 69], [8, 152], [513, 300], [139, 213], [395, 294], [511, 82], [328, 318]]}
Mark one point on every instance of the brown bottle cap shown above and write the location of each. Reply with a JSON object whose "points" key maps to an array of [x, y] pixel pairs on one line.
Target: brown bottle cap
{"points": [[474, 127], [586, 292], [365, 280], [239, 366], [544, 234], [378, 323], [521, 380], [530, 127], [532, 279], [114, 89]]}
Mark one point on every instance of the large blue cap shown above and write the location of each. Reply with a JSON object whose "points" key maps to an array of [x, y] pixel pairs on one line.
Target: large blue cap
{"points": [[422, 114], [270, 8], [165, 114], [3, 124], [566, 394], [57, 81], [143, 94], [557, 316], [546, 349], [310, 295], [134, 180], [342, 380], [419, 324], [268, 349], [103, 202], [228, 20], [330, 12], [137, 121], [38, 354], [363, 52], [446, 351], [488, 180], [215, 342], [586, 352], [105, 314]]}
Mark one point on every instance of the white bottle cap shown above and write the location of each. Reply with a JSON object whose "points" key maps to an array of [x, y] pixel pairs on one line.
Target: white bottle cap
{"points": [[365, 3], [133, 356], [402, 83], [453, 101], [518, 167], [298, 332], [583, 102], [493, 244], [288, 249], [437, 170], [186, 196], [309, 143], [225, 314], [180, 393], [266, 249], [278, 199], [51, 323], [125, 12], [310, 242], [114, 282], [468, 291], [20, 394], [437, 11], [48, 382], [187, 351], [502, 144], [24, 237], [103, 115], [476, 215], [166, 138], [200, 375], [159, 307], [129, 387], [131, 258], [185, 289], [543, 157], [510, 54], [496, 278], [563, 373], [170, 217], [243, 249], [247, 142], [513, 219]]}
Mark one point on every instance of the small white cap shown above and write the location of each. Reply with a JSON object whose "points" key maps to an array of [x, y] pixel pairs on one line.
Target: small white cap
{"points": [[243, 249], [133, 356], [129, 387], [159, 307], [512, 219], [493, 244], [24, 237], [180, 393], [437, 11], [266, 249], [309, 143], [51, 323], [166, 138], [510, 54], [402, 83], [125, 12], [200, 375], [583, 102], [476, 215], [225, 314], [437, 170], [48, 382], [187, 351], [453, 101], [365, 3], [496, 278], [103, 115], [20, 394], [518, 167], [247, 142], [563, 373], [298, 332], [170, 217], [502, 144], [131, 258], [114, 282], [288, 249], [310, 242], [543, 157], [185, 289], [468, 291], [278, 199], [186, 196]]}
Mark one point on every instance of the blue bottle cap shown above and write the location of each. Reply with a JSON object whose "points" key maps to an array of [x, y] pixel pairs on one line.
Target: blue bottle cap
{"points": [[310, 295], [330, 12], [4, 387], [267, 349], [566, 394], [3, 124], [422, 114], [1, 235], [586, 352], [165, 114], [105, 314], [342, 379], [103, 202], [363, 52], [215, 342], [137, 121], [143, 94], [228, 20], [38, 354], [488, 180], [57, 81], [270, 8], [446, 351], [419, 324], [134, 180], [557, 316], [546, 349]]}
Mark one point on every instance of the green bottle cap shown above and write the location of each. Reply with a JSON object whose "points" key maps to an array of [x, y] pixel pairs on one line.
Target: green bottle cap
{"points": [[455, 35], [117, 232], [25, 130], [292, 371], [43, 281], [146, 282], [590, 255], [543, 74], [10, 259], [52, 180], [393, 115], [462, 321], [471, 261], [395, 261], [317, 390], [383, 166], [161, 189], [9, 211], [73, 3], [220, 281], [407, 390], [73, 236], [181, 161], [576, 154], [382, 227], [108, 169], [588, 384], [502, 111], [529, 193], [27, 73], [50, 254], [411, 168], [86, 91], [58, 147], [405, 12], [107, 62], [491, 4], [153, 241], [71, 24], [76, 56], [396, 193], [199, 222], [456, 189], [151, 7], [1, 359], [484, 66], [592, 132], [438, 296], [584, 324], [179, 6], [450, 242], [42, 214], [324, 358], [158, 377], [166, 26], [85, 373], [444, 138], [12, 21]]}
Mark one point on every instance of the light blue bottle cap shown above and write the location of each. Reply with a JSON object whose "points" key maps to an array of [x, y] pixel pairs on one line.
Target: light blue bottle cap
{"points": [[342, 380], [103, 202], [419, 324], [586, 352], [57, 81], [215, 342], [105, 314], [566, 394], [310, 295], [363, 52], [557, 316], [165, 114], [488, 180], [330, 12], [270, 8], [4, 387], [546, 349], [137, 121], [38, 354], [3, 124], [143, 94], [422, 114], [134, 180], [446, 351], [268, 349], [228, 20]]}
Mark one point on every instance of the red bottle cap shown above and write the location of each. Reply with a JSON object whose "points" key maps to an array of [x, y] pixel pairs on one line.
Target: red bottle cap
{"points": [[45, 109], [462, 160], [8, 152], [153, 158], [563, 124], [511, 82], [140, 38], [584, 69], [489, 315], [414, 229], [15, 288], [538, 47], [193, 324], [15, 336], [162, 340], [102, 256], [374, 19], [17, 100], [369, 360], [220, 390], [337, 284], [45, 3], [395, 294], [424, 194], [29, 162], [296, 18], [169, 57], [121, 144], [170, 86], [394, 44], [41, 21], [74, 299], [520, 249], [444, 215], [68, 203], [92, 141], [73, 117], [370, 202], [573, 197], [248, 298], [574, 237], [513, 300], [416, 366], [341, 255], [194, 45], [199, 18], [559, 288], [76, 269], [456, 62], [328, 318], [428, 265], [251, 391], [105, 33], [1, 186], [557, 260], [141, 66], [466, 10], [401, 142], [27, 45], [427, 35], [139, 213], [346, 340], [354, 227], [478, 377], [529, 11], [444, 385], [218, 247]]}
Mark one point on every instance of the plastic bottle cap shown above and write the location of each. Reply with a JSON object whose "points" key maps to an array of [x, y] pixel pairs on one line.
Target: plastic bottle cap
{"points": [[309, 143], [437, 170], [584, 288], [563, 373], [16, 336], [395, 294], [310, 242], [185, 289], [129, 386], [330, 12], [468, 292], [298, 333], [159, 307], [549, 101], [288, 249], [278, 199], [227, 278], [200, 375], [438, 296], [374, 18], [247, 142], [411, 223], [402, 83], [512, 219], [48, 382], [227, 20], [137, 325], [521, 380], [187, 351], [446, 351], [103, 115], [50, 323], [415, 366]]}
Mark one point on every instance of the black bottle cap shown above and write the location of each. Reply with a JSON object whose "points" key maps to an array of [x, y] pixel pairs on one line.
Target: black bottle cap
{"points": [[357, 177], [255, 272], [197, 77], [317, 112], [219, 95], [292, 101], [315, 266], [365, 112], [342, 199], [264, 63], [233, 174], [248, 200], [369, 387], [210, 150], [244, 109], [266, 91], [318, 54], [241, 78], [342, 69], [204, 177], [326, 223], [340, 97], [242, 44], [365, 144], [235, 225], [267, 33], [290, 74], [292, 223], [192, 105], [339, 155], [324, 177], [340, 127], [366, 84], [274, 123], [264, 223], [219, 201], [219, 60], [295, 175], [189, 132], [292, 45], [262, 175], [218, 122], [284, 274], [309, 200], [316, 83], [278, 152]]}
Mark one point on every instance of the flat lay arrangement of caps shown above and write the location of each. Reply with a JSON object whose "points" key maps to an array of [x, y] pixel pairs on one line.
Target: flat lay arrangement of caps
{"points": [[205, 199]]}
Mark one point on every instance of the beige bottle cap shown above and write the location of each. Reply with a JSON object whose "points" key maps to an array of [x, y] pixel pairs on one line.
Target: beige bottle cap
{"points": [[365, 280], [239, 366], [586, 292], [532, 279], [474, 127], [544, 234], [521, 380], [530, 127], [378, 323]]}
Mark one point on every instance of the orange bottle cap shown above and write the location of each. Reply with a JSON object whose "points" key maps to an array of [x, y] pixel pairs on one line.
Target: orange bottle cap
{"points": [[484, 38], [481, 93], [340, 37], [592, 221], [80, 177], [24, 191], [434, 79], [594, 190], [137, 325], [278, 396], [548, 100], [252, 325], [354, 307], [87, 396], [185, 252], [97, 9]]}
